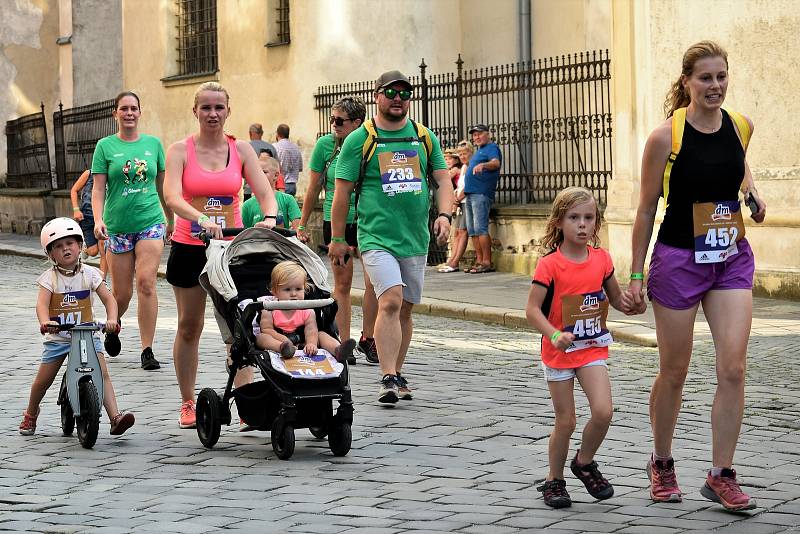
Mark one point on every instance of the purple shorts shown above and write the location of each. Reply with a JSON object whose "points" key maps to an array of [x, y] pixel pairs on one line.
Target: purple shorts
{"points": [[122, 243], [677, 282]]}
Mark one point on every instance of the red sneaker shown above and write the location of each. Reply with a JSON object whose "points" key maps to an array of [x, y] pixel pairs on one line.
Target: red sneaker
{"points": [[663, 484], [28, 425], [187, 418], [725, 490]]}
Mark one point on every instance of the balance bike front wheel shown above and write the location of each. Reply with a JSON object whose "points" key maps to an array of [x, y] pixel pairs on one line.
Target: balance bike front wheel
{"points": [[67, 416], [88, 422]]}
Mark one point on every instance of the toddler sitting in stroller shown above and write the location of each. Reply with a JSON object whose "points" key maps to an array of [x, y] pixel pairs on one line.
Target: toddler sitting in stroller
{"points": [[284, 331]]}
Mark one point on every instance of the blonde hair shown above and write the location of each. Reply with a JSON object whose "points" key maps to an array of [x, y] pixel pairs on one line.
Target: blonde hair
{"points": [[211, 86], [678, 97], [287, 271], [565, 200], [270, 162]]}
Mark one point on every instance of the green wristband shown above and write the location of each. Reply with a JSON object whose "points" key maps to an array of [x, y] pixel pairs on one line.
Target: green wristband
{"points": [[338, 240], [637, 276], [203, 218], [301, 227], [554, 336]]}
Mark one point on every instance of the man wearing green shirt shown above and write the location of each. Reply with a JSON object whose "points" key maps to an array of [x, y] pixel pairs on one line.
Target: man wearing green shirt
{"points": [[392, 212]]}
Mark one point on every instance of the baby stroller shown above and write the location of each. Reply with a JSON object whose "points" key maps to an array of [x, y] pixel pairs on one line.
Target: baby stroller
{"points": [[236, 274]]}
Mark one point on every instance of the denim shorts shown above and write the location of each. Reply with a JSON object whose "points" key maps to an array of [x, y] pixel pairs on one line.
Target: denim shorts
{"points": [[677, 282], [552, 374], [87, 227], [385, 272], [55, 350], [122, 243], [476, 211]]}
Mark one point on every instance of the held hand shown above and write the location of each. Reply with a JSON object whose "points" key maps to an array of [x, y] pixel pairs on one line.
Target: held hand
{"points": [[635, 294], [168, 233], [337, 252], [441, 228], [77, 215], [112, 327], [303, 236], [100, 230], [564, 341], [310, 349]]}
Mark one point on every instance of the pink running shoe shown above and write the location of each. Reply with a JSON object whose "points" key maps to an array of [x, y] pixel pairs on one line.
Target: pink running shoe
{"points": [[663, 484], [187, 418], [725, 490]]}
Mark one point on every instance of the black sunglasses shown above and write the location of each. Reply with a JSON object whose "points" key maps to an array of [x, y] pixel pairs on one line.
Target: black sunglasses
{"points": [[338, 121], [390, 93]]}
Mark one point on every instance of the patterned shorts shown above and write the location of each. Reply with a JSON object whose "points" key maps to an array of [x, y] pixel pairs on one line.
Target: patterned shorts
{"points": [[121, 243]]}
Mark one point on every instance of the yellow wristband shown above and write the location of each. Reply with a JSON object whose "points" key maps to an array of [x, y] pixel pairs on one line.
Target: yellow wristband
{"points": [[76, 209]]}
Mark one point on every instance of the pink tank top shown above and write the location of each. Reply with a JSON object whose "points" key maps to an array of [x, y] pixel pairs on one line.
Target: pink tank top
{"points": [[215, 194], [279, 320]]}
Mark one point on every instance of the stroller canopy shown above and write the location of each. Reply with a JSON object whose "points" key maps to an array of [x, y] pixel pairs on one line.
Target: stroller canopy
{"points": [[216, 276]]}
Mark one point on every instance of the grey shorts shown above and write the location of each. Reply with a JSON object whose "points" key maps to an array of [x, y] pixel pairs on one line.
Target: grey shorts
{"points": [[385, 272]]}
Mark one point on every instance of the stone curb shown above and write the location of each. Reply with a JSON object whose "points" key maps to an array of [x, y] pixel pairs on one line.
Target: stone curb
{"points": [[509, 317]]}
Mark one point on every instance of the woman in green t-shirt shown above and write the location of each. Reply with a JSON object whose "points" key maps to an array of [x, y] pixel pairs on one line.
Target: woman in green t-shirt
{"points": [[347, 115], [129, 208]]}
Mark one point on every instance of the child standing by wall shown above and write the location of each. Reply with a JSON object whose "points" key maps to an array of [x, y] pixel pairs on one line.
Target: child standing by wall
{"points": [[81, 196], [283, 330], [66, 292], [568, 303]]}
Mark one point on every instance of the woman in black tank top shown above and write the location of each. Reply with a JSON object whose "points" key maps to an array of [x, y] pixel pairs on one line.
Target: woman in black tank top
{"points": [[689, 266]]}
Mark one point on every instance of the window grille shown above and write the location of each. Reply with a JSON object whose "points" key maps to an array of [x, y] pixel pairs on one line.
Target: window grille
{"points": [[197, 37], [282, 36]]}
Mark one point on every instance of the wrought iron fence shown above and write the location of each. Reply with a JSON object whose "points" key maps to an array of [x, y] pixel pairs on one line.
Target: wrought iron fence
{"points": [[28, 152], [76, 132], [551, 118]]}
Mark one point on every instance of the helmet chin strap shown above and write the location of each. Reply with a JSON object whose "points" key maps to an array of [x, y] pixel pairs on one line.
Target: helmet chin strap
{"points": [[68, 272]]}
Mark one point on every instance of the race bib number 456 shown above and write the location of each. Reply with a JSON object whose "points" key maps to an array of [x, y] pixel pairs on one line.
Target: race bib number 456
{"points": [[400, 171], [585, 316]]}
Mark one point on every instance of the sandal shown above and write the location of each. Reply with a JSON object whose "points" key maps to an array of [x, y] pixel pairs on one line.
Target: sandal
{"points": [[479, 269], [446, 269]]}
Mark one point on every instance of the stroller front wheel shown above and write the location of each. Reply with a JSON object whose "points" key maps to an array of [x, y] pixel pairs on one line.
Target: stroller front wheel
{"points": [[209, 420], [340, 439], [318, 432], [282, 437]]}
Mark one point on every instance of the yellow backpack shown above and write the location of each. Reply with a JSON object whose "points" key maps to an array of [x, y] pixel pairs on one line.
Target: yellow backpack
{"points": [[678, 124]]}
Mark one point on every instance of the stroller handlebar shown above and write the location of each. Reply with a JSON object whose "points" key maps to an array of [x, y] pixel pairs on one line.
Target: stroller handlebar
{"points": [[206, 238], [294, 304]]}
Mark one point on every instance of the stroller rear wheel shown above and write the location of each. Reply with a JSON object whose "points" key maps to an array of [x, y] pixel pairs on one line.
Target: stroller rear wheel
{"points": [[340, 438], [282, 437], [209, 418]]}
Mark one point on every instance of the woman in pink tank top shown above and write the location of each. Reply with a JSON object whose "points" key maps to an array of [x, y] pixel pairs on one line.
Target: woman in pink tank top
{"points": [[203, 177]]}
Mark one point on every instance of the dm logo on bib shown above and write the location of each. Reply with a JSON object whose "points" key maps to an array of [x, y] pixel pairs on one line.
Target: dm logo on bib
{"points": [[399, 157], [213, 204], [721, 213], [69, 301], [591, 302]]}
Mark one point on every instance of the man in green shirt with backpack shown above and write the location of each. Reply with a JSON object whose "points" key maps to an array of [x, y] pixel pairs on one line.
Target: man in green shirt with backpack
{"points": [[394, 165]]}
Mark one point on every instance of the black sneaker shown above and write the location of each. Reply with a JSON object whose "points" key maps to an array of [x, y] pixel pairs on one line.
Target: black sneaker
{"points": [[345, 351], [112, 344], [403, 391], [366, 346], [597, 486], [387, 394], [149, 362], [555, 493]]}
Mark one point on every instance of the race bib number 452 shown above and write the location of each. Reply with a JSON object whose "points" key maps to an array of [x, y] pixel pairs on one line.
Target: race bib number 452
{"points": [[584, 315], [717, 228], [400, 171]]}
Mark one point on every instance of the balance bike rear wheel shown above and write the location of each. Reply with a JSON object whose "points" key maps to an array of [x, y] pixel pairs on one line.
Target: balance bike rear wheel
{"points": [[89, 421]]}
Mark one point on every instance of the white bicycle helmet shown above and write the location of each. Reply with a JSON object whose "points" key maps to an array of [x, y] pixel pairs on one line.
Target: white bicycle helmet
{"points": [[57, 228]]}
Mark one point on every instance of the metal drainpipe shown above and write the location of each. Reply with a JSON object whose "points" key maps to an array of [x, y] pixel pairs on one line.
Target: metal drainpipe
{"points": [[525, 146]]}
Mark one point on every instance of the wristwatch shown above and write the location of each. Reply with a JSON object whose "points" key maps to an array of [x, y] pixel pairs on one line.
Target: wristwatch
{"points": [[446, 216]]}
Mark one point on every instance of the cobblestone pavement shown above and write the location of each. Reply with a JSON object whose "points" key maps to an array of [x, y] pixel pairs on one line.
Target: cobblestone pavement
{"points": [[464, 456]]}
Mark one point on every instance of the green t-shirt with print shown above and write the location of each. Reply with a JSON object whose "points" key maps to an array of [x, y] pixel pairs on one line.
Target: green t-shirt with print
{"points": [[288, 210], [132, 202], [321, 154], [393, 205]]}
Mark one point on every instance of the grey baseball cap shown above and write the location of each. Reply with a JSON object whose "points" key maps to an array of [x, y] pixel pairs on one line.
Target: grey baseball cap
{"points": [[479, 128], [393, 76]]}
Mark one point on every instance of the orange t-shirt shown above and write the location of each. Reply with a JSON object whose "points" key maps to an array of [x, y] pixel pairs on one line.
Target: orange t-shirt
{"points": [[563, 277]]}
